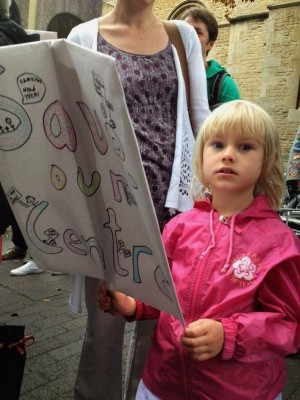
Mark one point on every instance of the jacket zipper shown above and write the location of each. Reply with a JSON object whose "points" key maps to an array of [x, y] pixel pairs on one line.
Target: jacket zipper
{"points": [[193, 306], [199, 281]]}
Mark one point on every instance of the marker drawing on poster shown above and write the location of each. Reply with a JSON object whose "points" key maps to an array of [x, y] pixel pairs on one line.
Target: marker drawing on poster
{"points": [[71, 169]]}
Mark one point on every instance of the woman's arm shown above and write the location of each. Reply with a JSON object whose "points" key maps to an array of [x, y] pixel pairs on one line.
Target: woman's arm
{"points": [[199, 108]]}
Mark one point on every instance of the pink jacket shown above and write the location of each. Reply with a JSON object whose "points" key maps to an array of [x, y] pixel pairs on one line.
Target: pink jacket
{"points": [[244, 272]]}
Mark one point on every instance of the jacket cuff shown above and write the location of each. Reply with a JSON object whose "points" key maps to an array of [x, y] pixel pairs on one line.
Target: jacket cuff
{"points": [[230, 332], [139, 311]]}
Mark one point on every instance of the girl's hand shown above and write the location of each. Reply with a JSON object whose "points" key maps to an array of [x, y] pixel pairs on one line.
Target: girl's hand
{"points": [[115, 303], [203, 339]]}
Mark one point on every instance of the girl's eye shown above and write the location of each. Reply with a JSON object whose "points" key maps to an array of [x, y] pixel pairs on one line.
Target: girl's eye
{"points": [[217, 145], [245, 147]]}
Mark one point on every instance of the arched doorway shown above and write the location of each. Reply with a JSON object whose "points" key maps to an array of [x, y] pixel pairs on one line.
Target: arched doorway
{"points": [[63, 23], [184, 5]]}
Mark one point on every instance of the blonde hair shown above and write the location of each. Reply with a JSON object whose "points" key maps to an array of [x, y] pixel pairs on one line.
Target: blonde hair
{"points": [[249, 120]]}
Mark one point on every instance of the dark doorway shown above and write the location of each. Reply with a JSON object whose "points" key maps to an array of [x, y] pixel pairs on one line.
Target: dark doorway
{"points": [[63, 23]]}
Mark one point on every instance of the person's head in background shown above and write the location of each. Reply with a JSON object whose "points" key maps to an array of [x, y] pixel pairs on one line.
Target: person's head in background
{"points": [[4, 8], [250, 128], [206, 27]]}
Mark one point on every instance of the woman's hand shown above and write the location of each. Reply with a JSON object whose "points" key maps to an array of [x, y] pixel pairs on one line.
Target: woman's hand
{"points": [[115, 303], [203, 339]]}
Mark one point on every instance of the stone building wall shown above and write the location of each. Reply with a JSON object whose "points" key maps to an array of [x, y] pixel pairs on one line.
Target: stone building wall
{"points": [[47, 9], [259, 46], [281, 70], [245, 56]]}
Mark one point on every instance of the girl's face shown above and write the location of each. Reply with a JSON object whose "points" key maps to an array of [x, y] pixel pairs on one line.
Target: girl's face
{"points": [[232, 164]]}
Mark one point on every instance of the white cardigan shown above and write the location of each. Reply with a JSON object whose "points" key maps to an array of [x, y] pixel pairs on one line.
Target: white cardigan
{"points": [[178, 196]]}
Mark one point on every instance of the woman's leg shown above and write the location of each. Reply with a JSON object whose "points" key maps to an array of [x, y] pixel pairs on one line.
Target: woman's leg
{"points": [[139, 346], [99, 375]]}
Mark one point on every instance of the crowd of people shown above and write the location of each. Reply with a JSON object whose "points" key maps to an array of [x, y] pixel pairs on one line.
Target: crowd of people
{"points": [[235, 290]]}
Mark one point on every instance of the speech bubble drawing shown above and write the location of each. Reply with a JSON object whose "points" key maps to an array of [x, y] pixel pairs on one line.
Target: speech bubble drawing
{"points": [[32, 88], [15, 125]]}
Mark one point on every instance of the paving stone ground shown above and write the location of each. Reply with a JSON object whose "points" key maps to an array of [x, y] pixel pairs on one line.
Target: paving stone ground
{"points": [[40, 302]]}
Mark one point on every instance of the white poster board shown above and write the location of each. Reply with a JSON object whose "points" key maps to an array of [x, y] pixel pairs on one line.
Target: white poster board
{"points": [[71, 169]]}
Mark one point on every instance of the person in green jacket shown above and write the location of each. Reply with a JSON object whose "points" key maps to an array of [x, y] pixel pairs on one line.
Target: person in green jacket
{"points": [[221, 87]]}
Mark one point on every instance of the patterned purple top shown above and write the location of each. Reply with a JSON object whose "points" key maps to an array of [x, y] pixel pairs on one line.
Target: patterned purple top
{"points": [[150, 85]]}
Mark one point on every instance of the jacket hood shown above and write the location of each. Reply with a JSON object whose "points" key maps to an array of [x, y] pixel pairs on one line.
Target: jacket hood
{"points": [[258, 209]]}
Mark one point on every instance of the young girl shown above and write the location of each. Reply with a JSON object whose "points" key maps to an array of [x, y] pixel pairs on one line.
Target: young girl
{"points": [[236, 269]]}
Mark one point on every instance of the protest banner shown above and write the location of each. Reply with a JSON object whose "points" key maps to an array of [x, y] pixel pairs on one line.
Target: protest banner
{"points": [[71, 169]]}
